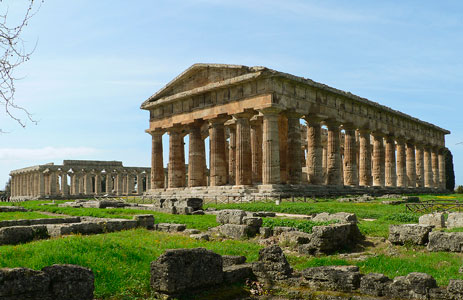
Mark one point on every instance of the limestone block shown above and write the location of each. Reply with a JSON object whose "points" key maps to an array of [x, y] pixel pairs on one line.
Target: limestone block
{"points": [[180, 270], [455, 289], [333, 278], [231, 260], [231, 216], [235, 231], [22, 234], [146, 221], [272, 265], [374, 284], [253, 221], [455, 220], [340, 216], [200, 236], [409, 233], [12, 208], [237, 273], [265, 232], [29, 222], [295, 238], [261, 214], [18, 283], [170, 227], [113, 225], [445, 241], [277, 230], [435, 219], [70, 282], [77, 228], [191, 231], [414, 285]]}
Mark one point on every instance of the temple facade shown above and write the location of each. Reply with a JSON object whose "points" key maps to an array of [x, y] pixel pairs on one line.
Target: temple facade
{"points": [[270, 131], [78, 179]]}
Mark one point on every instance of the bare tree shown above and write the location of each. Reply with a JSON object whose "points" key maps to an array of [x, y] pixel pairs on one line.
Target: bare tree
{"points": [[14, 54]]}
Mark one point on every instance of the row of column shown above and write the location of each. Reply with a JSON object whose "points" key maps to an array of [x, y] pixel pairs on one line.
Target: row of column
{"points": [[40, 184], [263, 150]]}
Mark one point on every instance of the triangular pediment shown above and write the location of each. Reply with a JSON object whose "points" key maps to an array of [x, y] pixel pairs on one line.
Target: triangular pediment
{"points": [[199, 75]]}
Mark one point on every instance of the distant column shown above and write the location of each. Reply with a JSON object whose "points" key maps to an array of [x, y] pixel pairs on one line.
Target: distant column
{"points": [[41, 184], [442, 179], [109, 182], [271, 147], [435, 166], [428, 178], [333, 163], [294, 152], [118, 182], [195, 156], [64, 184], [411, 165], [218, 170], [256, 145], [378, 159], [283, 135], [390, 164], [130, 183], [420, 166], [88, 190], [157, 164], [98, 183], [401, 164], [365, 178], [139, 183], [350, 157], [243, 150], [176, 172], [314, 159]]}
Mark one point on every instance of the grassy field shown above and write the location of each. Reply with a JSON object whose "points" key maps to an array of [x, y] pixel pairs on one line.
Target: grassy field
{"points": [[23, 215]]}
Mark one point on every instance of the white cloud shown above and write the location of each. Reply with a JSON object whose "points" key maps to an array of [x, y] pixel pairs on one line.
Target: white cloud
{"points": [[50, 153]]}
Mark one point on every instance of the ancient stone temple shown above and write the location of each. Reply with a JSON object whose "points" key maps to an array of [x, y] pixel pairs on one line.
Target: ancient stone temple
{"points": [[78, 179], [272, 132]]}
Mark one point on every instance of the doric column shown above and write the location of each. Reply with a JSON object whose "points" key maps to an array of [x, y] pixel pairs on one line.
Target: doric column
{"points": [[176, 170], [98, 183], [271, 147], [139, 183], [88, 190], [130, 183], [232, 154], [365, 178], [401, 164], [390, 165], [283, 135], [420, 165], [333, 161], [118, 182], [435, 166], [243, 149], [314, 161], [411, 165], [378, 159], [52, 183], [428, 178], [73, 180], [350, 157], [64, 183], [41, 184], [109, 182], [294, 148], [195, 156], [218, 175], [442, 179], [256, 148], [157, 164]]}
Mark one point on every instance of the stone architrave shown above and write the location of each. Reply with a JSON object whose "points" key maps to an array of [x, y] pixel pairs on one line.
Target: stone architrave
{"points": [[196, 156], [333, 163], [411, 165], [243, 150], [218, 170], [294, 149], [364, 158], [428, 176], [442, 179], [378, 159], [157, 162], [314, 161], [435, 166], [256, 148], [419, 165], [270, 147], [350, 157], [401, 164], [176, 167], [390, 163]]}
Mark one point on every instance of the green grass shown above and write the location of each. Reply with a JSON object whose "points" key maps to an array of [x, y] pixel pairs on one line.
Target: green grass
{"points": [[23, 215], [302, 225]]}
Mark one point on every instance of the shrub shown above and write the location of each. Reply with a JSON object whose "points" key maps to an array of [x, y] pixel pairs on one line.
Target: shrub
{"points": [[459, 189], [402, 217]]}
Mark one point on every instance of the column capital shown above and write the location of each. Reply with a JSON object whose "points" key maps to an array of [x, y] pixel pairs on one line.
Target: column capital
{"points": [[364, 130], [348, 126], [270, 111], [156, 132], [243, 115], [332, 123], [220, 120], [175, 129], [292, 114]]}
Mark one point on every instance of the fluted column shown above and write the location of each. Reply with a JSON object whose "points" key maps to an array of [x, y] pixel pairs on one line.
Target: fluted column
{"points": [[243, 149], [271, 147], [139, 183], [88, 190], [176, 172], [64, 184], [73, 179], [314, 161], [109, 182], [442, 177], [195, 156], [378, 159], [333, 163], [420, 166], [401, 164], [130, 183], [118, 187], [435, 166], [41, 184], [256, 148], [428, 178], [365, 178], [350, 157], [411, 165], [294, 148], [283, 134], [218, 170], [390, 163], [98, 183], [232, 154], [157, 163]]}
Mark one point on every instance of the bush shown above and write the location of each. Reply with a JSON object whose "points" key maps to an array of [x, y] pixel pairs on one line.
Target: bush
{"points": [[402, 217], [459, 189]]}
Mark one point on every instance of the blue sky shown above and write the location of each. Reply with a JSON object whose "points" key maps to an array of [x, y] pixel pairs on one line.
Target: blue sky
{"points": [[96, 61]]}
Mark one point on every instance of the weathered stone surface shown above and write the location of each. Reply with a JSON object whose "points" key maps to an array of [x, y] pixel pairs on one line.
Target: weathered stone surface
{"points": [[409, 233], [237, 273], [334, 278], [374, 284], [237, 231], [455, 220], [295, 237], [12, 208], [170, 227], [445, 241], [29, 222], [340, 216], [231, 260], [253, 221], [22, 234], [421, 283], [231, 216], [77, 228], [272, 265], [411, 199], [146, 221], [200, 236], [262, 214], [191, 231], [265, 232], [455, 289], [435, 219], [180, 270], [113, 225], [70, 282], [277, 230], [23, 283], [414, 285]]}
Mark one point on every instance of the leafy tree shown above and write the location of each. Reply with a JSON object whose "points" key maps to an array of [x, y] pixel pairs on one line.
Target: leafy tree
{"points": [[449, 172]]}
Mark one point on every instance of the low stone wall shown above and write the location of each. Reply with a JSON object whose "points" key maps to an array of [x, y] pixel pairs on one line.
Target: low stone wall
{"points": [[29, 222], [409, 233], [56, 282], [12, 209]]}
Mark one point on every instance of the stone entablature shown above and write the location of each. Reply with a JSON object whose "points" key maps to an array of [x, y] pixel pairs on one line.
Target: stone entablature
{"points": [[252, 118], [78, 178]]}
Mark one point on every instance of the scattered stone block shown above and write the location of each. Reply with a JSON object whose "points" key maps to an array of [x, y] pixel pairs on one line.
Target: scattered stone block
{"points": [[265, 232], [455, 289], [181, 270], [18, 283], [200, 236], [13, 209], [340, 216], [198, 212], [44, 221], [22, 234], [272, 265], [455, 220], [231, 216], [435, 219], [277, 230], [77, 228], [414, 285], [235, 231], [262, 214], [146, 221], [237, 273], [445, 241], [411, 199], [253, 221], [70, 282], [374, 284], [295, 238], [409, 233], [333, 278], [231, 260], [113, 225], [170, 227], [191, 231]]}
